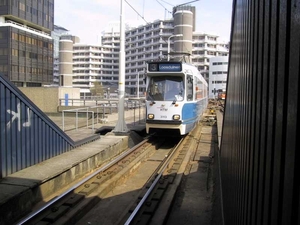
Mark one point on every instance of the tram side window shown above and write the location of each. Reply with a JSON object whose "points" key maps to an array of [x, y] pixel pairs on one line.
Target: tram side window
{"points": [[199, 89], [189, 87]]}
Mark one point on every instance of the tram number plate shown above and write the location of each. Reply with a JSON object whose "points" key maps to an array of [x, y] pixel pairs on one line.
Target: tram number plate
{"points": [[164, 117]]}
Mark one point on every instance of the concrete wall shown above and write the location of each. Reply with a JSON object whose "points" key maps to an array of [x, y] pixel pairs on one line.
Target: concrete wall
{"points": [[47, 98]]}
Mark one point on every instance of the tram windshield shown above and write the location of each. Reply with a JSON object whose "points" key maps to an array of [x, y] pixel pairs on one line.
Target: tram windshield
{"points": [[165, 89]]}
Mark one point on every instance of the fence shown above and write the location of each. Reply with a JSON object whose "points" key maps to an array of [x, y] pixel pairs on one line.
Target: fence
{"points": [[260, 136], [103, 113]]}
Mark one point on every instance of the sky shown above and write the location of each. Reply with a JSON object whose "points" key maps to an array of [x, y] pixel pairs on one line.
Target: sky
{"points": [[88, 19]]}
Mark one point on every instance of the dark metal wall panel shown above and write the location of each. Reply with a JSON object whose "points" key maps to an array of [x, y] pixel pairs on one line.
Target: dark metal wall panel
{"points": [[260, 140], [28, 136]]}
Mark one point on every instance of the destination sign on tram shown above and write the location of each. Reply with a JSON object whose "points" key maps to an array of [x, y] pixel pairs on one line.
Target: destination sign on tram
{"points": [[164, 67]]}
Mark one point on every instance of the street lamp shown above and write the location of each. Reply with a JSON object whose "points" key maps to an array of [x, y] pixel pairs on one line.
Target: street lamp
{"points": [[175, 35]]}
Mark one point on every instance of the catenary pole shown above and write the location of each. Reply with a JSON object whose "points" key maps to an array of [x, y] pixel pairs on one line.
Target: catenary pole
{"points": [[121, 125]]}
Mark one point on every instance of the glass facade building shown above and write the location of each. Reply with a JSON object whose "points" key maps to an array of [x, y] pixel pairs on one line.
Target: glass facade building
{"points": [[26, 45]]}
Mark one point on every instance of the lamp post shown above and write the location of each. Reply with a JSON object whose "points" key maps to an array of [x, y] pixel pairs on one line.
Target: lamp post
{"points": [[175, 35]]}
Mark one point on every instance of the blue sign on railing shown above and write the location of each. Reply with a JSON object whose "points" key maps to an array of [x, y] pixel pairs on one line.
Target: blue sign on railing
{"points": [[66, 99]]}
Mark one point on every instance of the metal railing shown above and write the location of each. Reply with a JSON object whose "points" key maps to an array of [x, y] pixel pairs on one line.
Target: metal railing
{"points": [[90, 116], [77, 111], [92, 101]]}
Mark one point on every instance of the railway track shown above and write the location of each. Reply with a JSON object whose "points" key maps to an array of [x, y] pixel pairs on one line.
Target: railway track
{"points": [[153, 206], [70, 205], [95, 199]]}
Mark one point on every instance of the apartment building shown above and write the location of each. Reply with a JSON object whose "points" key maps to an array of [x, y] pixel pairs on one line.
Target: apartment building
{"points": [[82, 65], [144, 44], [218, 67], [26, 47], [153, 41], [206, 47], [95, 64], [150, 42]]}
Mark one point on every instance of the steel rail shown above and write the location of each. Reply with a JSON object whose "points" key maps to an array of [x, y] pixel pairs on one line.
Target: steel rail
{"points": [[138, 207], [119, 158]]}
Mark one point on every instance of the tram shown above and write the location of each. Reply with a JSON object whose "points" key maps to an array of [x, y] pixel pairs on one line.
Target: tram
{"points": [[176, 96]]}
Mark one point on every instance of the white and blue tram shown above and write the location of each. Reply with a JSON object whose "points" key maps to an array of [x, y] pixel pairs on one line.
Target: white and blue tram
{"points": [[176, 97]]}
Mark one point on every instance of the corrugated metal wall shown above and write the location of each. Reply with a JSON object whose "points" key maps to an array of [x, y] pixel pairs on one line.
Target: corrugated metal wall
{"points": [[28, 136], [260, 139]]}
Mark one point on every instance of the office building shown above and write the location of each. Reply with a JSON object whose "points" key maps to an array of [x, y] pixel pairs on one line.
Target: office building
{"points": [[26, 47]]}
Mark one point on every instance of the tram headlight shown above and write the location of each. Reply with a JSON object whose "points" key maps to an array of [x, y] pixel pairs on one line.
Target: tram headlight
{"points": [[150, 116], [176, 117]]}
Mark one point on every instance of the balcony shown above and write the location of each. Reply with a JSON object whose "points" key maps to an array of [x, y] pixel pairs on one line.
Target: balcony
{"points": [[26, 28]]}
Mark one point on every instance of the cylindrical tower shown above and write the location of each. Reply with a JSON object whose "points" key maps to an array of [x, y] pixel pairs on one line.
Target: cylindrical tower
{"points": [[184, 17], [66, 62]]}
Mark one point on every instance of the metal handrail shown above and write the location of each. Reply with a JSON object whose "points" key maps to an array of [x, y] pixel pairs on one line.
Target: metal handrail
{"points": [[91, 109], [85, 110]]}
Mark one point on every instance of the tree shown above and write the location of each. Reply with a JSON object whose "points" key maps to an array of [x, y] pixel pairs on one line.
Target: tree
{"points": [[97, 89]]}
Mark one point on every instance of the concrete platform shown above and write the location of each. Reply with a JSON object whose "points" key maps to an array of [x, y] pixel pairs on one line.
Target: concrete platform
{"points": [[21, 191], [198, 195]]}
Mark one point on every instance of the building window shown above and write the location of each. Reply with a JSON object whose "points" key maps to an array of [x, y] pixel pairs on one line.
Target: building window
{"points": [[3, 2], [14, 36], [22, 6], [3, 51], [14, 52], [3, 68]]}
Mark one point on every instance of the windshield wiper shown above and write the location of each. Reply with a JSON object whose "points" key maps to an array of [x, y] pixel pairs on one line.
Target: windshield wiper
{"points": [[151, 98]]}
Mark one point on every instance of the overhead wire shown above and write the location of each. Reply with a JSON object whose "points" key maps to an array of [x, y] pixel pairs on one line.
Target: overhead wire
{"points": [[136, 11], [184, 46], [163, 7], [167, 3]]}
